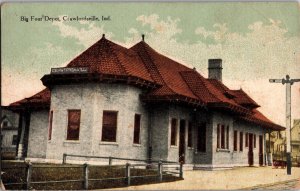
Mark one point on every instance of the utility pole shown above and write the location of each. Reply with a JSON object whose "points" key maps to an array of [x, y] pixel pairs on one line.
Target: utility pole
{"points": [[289, 82]]}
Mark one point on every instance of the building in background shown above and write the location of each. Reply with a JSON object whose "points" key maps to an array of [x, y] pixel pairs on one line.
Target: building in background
{"points": [[278, 143], [9, 125], [295, 138]]}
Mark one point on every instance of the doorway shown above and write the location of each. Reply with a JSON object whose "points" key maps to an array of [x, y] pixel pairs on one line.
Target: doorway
{"points": [[260, 150], [250, 152], [182, 141]]}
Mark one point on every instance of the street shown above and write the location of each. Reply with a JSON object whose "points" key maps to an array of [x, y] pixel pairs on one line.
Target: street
{"points": [[285, 185], [251, 178]]}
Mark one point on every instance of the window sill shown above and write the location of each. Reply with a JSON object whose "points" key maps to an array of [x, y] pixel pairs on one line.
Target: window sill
{"points": [[190, 148], [71, 142], [223, 150], [108, 143], [174, 146], [200, 153], [136, 145]]}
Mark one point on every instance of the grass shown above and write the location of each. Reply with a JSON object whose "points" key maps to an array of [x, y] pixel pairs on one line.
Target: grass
{"points": [[16, 172]]}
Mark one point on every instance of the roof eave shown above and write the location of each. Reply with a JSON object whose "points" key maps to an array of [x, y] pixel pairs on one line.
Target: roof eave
{"points": [[228, 107], [173, 98], [54, 79]]}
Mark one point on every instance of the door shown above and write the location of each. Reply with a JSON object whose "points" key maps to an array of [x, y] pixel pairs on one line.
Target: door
{"points": [[182, 141], [260, 150], [250, 152]]}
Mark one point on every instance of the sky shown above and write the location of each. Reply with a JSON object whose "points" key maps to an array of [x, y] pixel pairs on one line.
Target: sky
{"points": [[256, 41]]}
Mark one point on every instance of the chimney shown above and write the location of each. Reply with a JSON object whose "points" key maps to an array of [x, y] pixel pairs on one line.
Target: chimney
{"points": [[215, 69]]}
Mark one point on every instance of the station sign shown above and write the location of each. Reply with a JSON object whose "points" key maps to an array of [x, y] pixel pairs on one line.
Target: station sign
{"points": [[70, 70]]}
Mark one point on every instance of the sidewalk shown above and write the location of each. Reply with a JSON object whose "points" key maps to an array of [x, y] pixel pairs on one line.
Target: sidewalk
{"points": [[238, 178]]}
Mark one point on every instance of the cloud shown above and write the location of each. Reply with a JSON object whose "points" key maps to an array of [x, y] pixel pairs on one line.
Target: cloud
{"points": [[87, 34], [249, 59], [219, 35]]}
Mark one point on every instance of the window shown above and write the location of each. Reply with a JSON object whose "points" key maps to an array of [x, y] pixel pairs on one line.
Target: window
{"points": [[5, 124], [227, 137], [137, 129], [246, 140], [218, 136], [190, 135], [201, 145], [222, 137], [14, 140], [50, 125], [235, 140], [254, 140], [279, 135], [241, 141], [73, 124], [109, 126], [173, 131]]}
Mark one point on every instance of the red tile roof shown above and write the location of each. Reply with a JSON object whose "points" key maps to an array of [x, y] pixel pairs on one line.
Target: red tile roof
{"points": [[258, 118], [243, 99], [162, 69], [106, 57], [174, 81], [41, 99]]}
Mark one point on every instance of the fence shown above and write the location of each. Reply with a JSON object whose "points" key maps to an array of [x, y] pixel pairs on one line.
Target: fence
{"points": [[110, 159], [159, 170]]}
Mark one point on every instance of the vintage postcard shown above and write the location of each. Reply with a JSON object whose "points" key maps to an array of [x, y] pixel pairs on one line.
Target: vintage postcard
{"points": [[150, 95]]}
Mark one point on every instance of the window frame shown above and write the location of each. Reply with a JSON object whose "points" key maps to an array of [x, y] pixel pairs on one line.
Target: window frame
{"points": [[173, 133], [190, 135], [14, 140], [201, 137], [246, 139], [73, 110], [235, 140], [139, 129], [50, 125], [218, 136], [227, 137], [223, 137], [4, 124], [241, 140], [116, 127]]}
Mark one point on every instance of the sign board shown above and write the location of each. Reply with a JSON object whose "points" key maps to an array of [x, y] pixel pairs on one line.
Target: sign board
{"points": [[69, 70]]}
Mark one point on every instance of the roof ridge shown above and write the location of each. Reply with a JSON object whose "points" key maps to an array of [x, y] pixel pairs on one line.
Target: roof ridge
{"points": [[117, 58], [154, 67], [206, 80], [184, 79], [81, 53], [246, 95], [198, 76]]}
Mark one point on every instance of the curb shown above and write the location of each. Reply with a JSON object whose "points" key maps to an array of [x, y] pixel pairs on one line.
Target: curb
{"points": [[270, 184]]}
